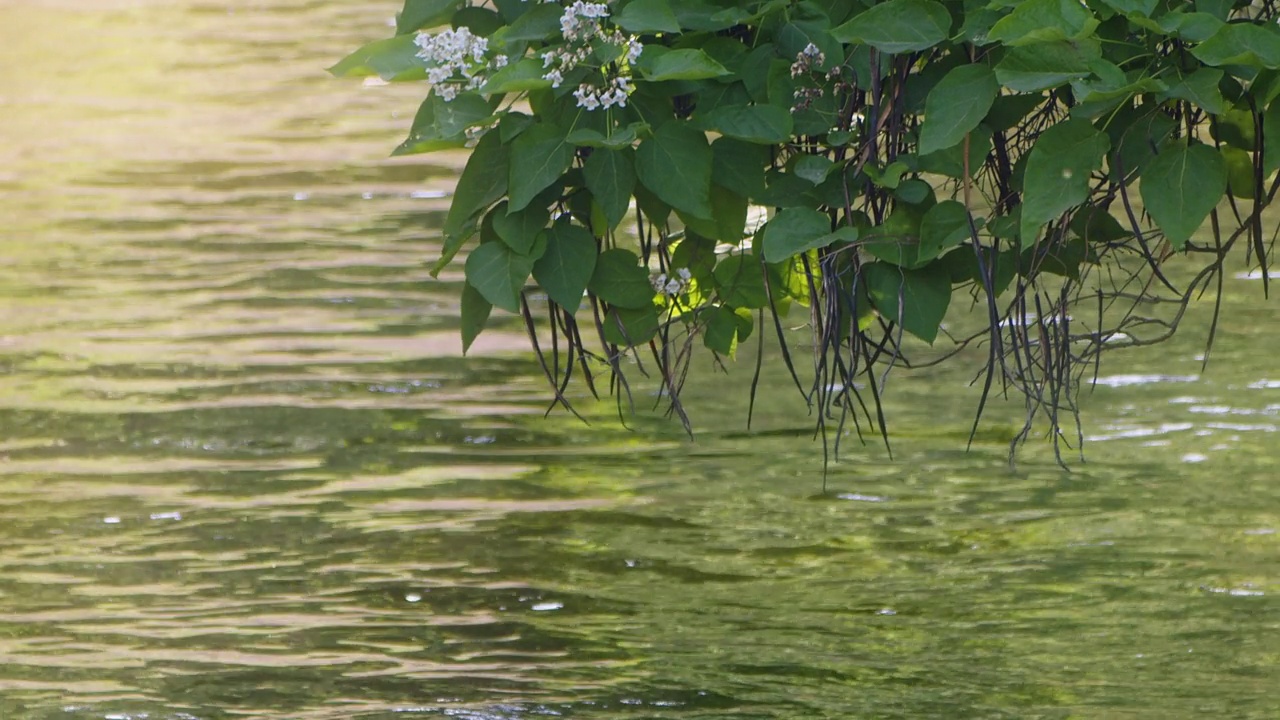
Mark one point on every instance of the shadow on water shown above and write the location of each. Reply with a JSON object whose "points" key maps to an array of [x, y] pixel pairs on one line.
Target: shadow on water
{"points": [[244, 472]]}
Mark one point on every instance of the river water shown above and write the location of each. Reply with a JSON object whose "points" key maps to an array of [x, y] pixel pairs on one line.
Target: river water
{"points": [[245, 473]]}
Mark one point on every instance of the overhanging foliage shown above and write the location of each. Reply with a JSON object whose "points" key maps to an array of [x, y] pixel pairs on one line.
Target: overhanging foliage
{"points": [[674, 174]]}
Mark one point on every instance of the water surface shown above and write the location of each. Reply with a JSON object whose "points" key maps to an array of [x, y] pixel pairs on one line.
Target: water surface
{"points": [[244, 472]]}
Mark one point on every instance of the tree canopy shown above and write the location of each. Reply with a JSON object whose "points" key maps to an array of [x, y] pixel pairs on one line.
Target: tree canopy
{"points": [[662, 179]]}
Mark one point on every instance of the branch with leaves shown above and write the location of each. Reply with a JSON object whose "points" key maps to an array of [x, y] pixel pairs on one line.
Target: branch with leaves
{"points": [[660, 177]]}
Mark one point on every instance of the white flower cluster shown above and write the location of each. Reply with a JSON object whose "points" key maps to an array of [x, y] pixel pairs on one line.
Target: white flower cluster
{"points": [[582, 25], [614, 93], [454, 52], [674, 285]]}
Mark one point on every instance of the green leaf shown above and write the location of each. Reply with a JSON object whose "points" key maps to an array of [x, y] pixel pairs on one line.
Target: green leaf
{"points": [[763, 124], [483, 181], [1096, 225], [566, 267], [699, 15], [620, 280], [1059, 258], [1220, 9], [623, 137], [1057, 174], [1181, 186], [721, 328], [539, 156], [814, 168], [1271, 138], [1043, 20], [475, 315], [943, 226], [898, 26], [481, 21], [1239, 171], [630, 326], [647, 16], [951, 161], [1134, 147], [519, 230], [897, 239], [440, 124], [1031, 68], [675, 164], [684, 64], [794, 231], [1141, 7], [390, 59], [418, 14], [1190, 27], [540, 23], [1235, 127], [1241, 44], [519, 76], [730, 211], [956, 105], [915, 299], [1201, 88], [740, 281], [499, 274], [610, 175], [739, 166]]}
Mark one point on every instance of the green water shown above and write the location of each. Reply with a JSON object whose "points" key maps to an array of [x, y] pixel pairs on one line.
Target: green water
{"points": [[244, 472]]}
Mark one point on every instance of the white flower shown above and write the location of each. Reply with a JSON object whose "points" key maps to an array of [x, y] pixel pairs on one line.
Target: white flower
{"points": [[672, 286], [446, 91], [452, 52], [587, 97]]}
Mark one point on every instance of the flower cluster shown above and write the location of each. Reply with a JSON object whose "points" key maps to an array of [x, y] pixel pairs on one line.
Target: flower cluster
{"points": [[614, 93], [807, 60], [456, 52], [674, 285], [582, 25]]}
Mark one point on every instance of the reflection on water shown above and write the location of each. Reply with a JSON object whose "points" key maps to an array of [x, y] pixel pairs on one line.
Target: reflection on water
{"points": [[245, 474]]}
